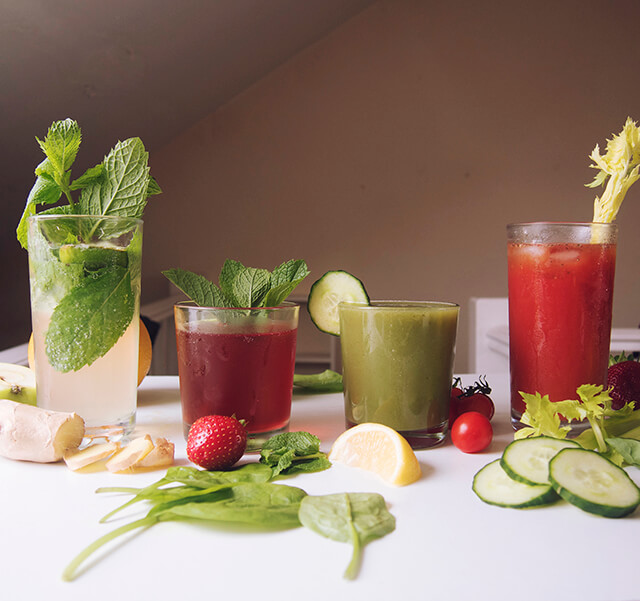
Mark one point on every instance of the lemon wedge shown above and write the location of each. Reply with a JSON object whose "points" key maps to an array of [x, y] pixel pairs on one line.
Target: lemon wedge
{"points": [[378, 449]]}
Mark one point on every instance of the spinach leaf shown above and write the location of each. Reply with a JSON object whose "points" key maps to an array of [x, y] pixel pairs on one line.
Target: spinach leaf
{"points": [[264, 504], [357, 518], [628, 448], [326, 381]]}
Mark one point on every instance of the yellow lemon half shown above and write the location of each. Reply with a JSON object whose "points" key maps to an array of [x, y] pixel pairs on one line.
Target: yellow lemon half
{"points": [[379, 449], [144, 353]]}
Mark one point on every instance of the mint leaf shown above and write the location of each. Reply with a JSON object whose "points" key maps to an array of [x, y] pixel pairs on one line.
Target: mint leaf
{"points": [[250, 286], [90, 319], [293, 452], [230, 270], [123, 188], [153, 188], [61, 145], [44, 191], [284, 280], [90, 176], [198, 288], [241, 287]]}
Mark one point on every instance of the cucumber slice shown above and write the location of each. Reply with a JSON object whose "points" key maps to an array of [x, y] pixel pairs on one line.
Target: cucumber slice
{"points": [[593, 483], [493, 485], [333, 288], [527, 460]]}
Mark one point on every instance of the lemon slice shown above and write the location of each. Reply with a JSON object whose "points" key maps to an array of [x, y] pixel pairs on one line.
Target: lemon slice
{"points": [[379, 449]]}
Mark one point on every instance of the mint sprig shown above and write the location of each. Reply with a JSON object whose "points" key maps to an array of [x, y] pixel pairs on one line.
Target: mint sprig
{"points": [[97, 307], [120, 185], [240, 286]]}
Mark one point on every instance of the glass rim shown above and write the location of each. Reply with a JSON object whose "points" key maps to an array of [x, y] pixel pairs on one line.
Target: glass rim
{"points": [[400, 304], [191, 304], [597, 224], [49, 216]]}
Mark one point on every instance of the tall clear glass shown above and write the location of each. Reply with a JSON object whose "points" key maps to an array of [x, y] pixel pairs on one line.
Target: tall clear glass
{"points": [[397, 361], [560, 304], [237, 362], [85, 306]]}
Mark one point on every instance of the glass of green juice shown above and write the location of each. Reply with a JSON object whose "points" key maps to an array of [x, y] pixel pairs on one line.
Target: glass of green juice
{"points": [[397, 360]]}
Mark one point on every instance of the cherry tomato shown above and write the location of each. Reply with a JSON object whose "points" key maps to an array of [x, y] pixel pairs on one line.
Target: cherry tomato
{"points": [[454, 404], [472, 432], [478, 402]]}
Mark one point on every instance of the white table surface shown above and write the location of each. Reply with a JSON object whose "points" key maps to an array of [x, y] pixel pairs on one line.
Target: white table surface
{"points": [[447, 543]]}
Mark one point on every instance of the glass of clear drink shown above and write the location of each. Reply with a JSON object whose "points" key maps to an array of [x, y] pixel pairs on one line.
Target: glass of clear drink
{"points": [[85, 303]]}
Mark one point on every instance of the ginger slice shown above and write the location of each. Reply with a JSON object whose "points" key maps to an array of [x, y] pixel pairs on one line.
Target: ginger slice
{"points": [[162, 455], [127, 457], [76, 460]]}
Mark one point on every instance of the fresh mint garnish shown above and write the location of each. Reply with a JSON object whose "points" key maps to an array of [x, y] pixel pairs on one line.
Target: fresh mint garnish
{"points": [[292, 452], [198, 288], [120, 185], [98, 306], [123, 186], [90, 319], [240, 286]]}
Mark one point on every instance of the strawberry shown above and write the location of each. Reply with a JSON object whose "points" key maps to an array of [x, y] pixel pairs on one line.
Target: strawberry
{"points": [[216, 442], [624, 379]]}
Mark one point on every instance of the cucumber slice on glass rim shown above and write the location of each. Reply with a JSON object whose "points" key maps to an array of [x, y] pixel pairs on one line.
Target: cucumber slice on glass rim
{"points": [[591, 482], [333, 288]]}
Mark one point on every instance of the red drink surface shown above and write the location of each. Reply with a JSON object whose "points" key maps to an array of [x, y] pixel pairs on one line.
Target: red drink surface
{"points": [[249, 375], [560, 301]]}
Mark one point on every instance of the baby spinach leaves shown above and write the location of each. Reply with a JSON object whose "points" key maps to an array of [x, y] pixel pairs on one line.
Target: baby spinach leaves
{"points": [[248, 495], [355, 518]]}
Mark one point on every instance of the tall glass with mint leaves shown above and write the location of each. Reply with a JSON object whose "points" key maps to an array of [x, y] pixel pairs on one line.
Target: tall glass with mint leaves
{"points": [[85, 302]]}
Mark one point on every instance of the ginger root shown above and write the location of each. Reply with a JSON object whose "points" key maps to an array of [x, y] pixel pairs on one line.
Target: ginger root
{"points": [[29, 433]]}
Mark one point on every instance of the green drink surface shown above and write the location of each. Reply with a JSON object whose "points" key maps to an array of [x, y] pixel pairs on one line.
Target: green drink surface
{"points": [[398, 363]]}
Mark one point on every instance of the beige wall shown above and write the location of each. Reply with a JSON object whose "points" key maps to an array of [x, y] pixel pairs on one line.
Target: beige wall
{"points": [[400, 146]]}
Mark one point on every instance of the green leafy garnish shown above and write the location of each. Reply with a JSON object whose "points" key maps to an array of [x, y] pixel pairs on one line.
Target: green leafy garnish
{"points": [[355, 518], [542, 418], [120, 185], [100, 304], [620, 165], [90, 319], [240, 286], [293, 452], [326, 381]]}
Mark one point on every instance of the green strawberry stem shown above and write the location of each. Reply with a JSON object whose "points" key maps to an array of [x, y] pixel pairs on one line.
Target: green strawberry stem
{"points": [[70, 571]]}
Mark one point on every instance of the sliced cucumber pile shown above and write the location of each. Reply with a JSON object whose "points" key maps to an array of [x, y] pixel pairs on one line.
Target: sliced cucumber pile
{"points": [[527, 460], [593, 483], [540, 470], [494, 486], [333, 288]]}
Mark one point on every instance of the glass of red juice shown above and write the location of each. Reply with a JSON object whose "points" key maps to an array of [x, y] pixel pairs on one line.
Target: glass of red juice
{"points": [[237, 362], [560, 301]]}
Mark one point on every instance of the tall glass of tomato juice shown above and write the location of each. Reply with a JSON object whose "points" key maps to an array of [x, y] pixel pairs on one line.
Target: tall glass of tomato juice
{"points": [[560, 303], [237, 362]]}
